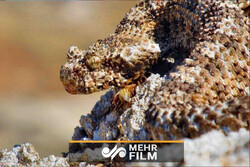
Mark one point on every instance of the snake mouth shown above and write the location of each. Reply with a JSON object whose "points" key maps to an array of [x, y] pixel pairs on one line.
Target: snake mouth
{"points": [[77, 83], [80, 80], [67, 79]]}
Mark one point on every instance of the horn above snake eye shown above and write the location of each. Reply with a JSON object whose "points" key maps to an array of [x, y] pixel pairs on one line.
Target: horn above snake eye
{"points": [[74, 53]]}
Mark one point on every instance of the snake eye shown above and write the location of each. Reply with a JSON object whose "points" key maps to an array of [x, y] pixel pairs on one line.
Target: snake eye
{"points": [[93, 62]]}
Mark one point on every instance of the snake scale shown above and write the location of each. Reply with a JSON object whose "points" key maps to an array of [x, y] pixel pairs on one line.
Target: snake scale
{"points": [[200, 48]]}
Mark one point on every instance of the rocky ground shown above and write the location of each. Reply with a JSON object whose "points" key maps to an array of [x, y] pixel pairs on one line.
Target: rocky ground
{"points": [[211, 149]]}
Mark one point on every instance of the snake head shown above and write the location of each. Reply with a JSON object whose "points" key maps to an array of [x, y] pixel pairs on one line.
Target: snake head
{"points": [[86, 72]]}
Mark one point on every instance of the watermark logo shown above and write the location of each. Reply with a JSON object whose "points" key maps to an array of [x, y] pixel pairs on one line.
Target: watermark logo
{"points": [[127, 151], [106, 152]]}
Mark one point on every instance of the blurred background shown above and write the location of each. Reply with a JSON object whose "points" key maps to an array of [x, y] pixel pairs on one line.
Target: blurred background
{"points": [[34, 40]]}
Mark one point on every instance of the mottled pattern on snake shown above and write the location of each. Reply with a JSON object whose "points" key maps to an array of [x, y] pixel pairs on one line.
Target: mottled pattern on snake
{"points": [[201, 49]]}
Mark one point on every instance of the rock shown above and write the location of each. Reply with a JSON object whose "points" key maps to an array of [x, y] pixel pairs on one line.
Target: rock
{"points": [[26, 155]]}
